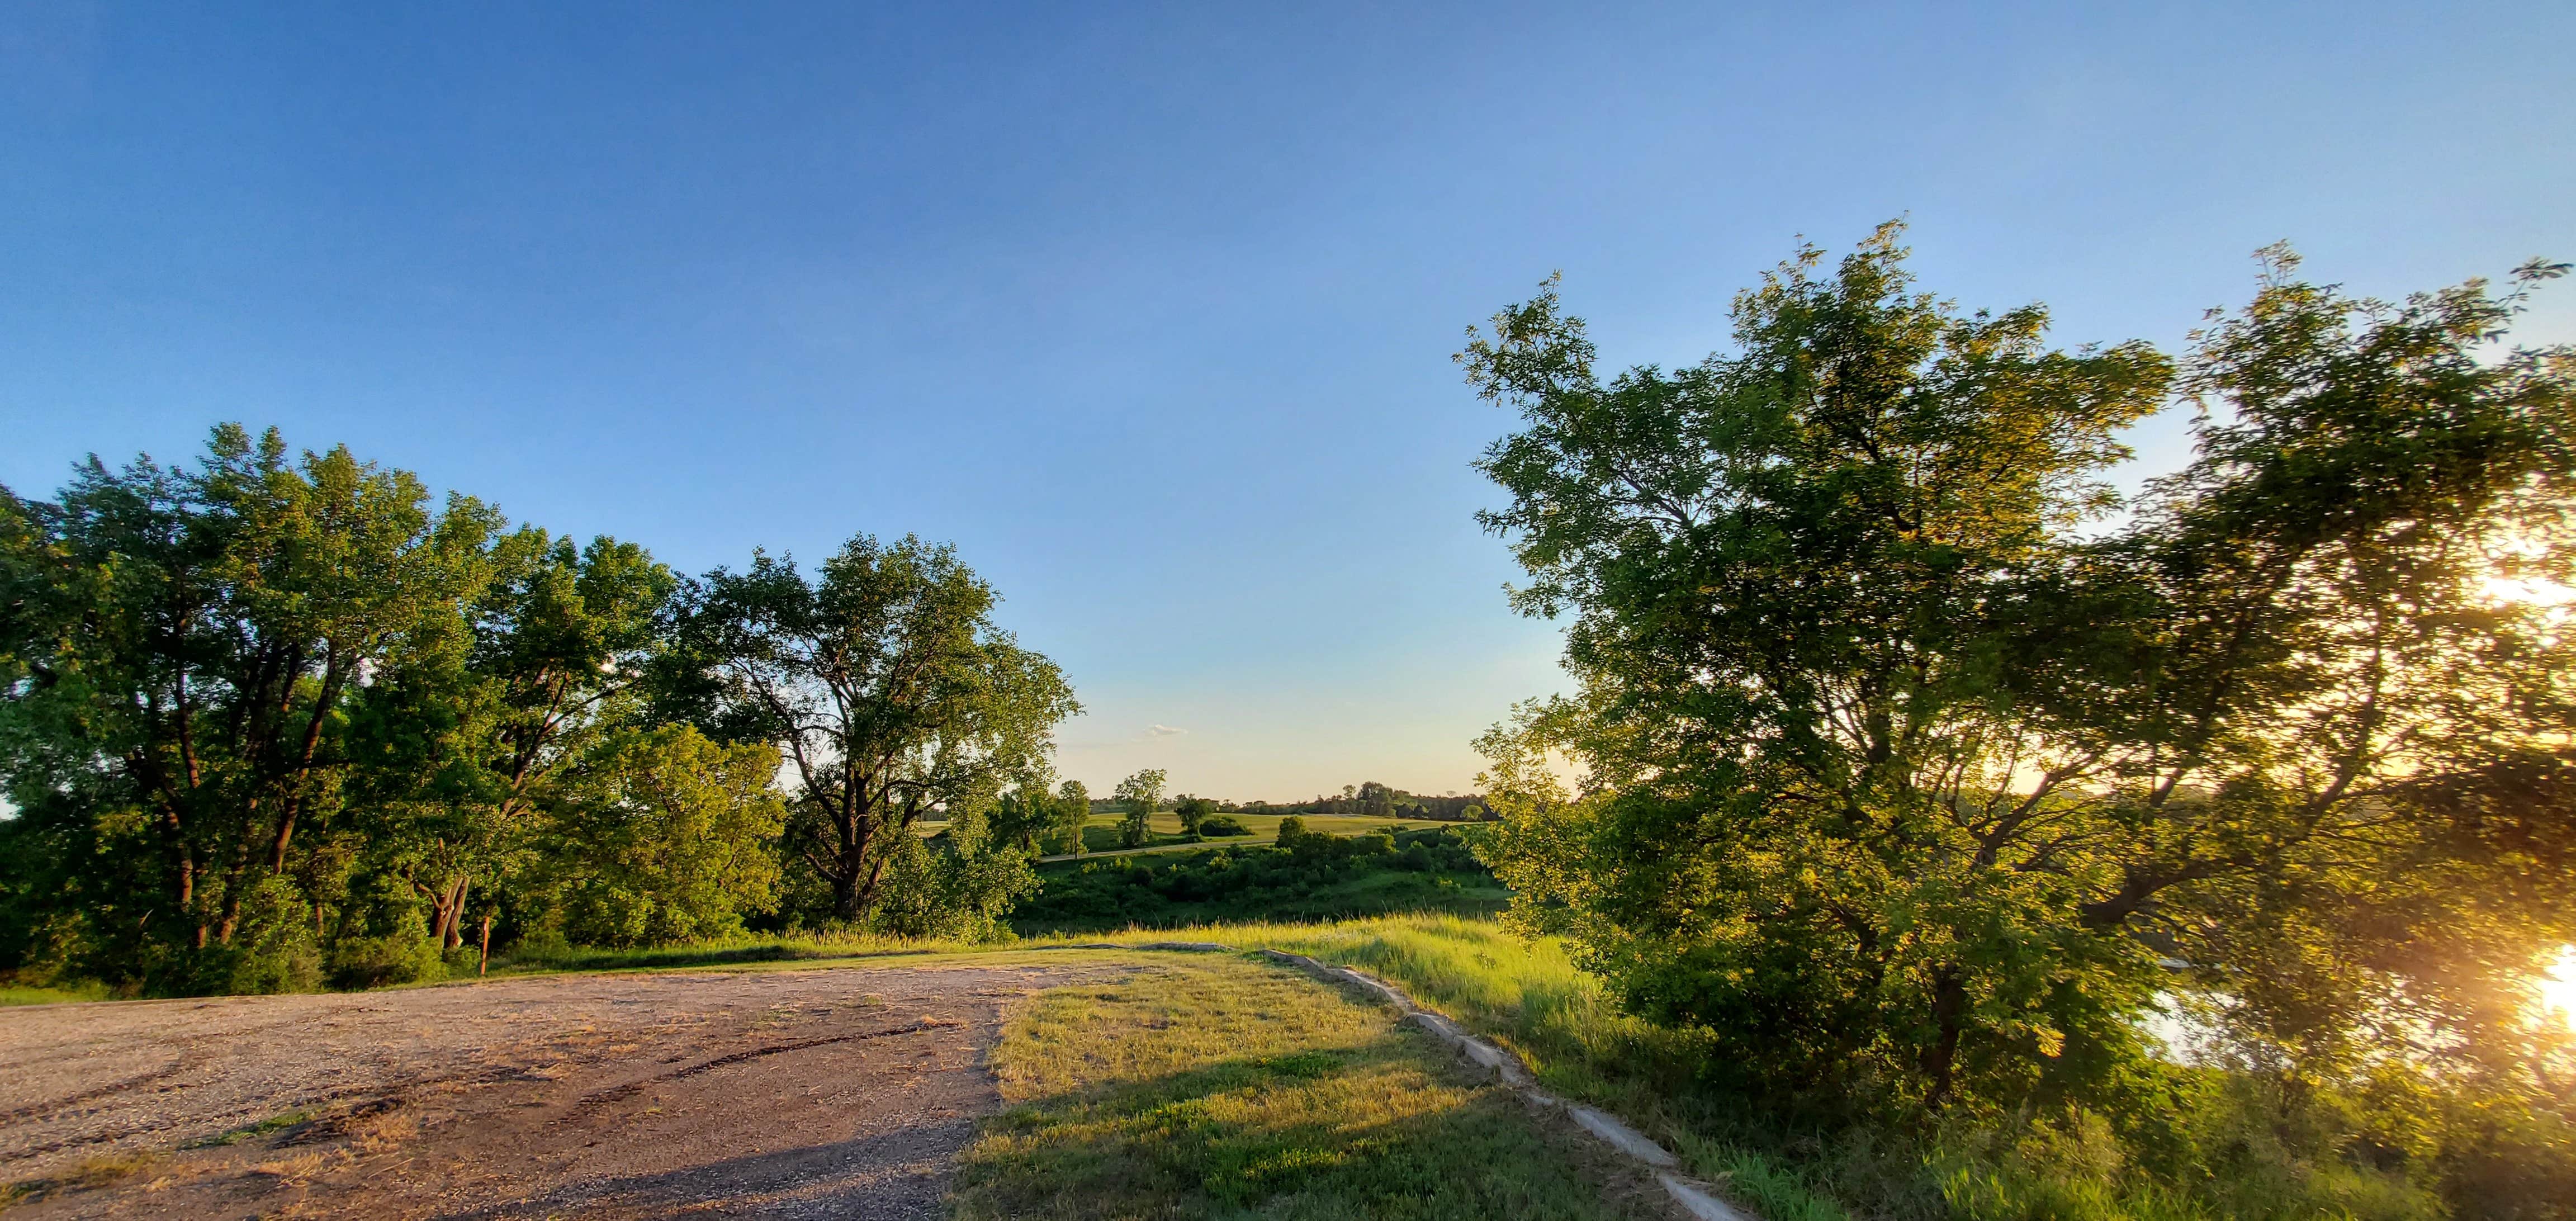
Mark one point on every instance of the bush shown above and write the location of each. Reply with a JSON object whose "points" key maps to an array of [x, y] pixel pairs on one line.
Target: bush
{"points": [[273, 948], [386, 941], [406, 957], [1223, 824]]}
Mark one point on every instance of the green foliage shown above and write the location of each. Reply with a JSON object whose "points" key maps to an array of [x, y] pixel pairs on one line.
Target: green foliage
{"points": [[274, 721], [1139, 793], [1043, 822], [1193, 812], [1319, 878], [1072, 810], [1223, 825], [2218, 1144], [1905, 789], [667, 839], [886, 683], [186, 649]]}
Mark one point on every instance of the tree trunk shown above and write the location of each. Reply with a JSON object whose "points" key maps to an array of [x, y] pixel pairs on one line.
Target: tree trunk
{"points": [[448, 913], [486, 964], [846, 902], [303, 766]]}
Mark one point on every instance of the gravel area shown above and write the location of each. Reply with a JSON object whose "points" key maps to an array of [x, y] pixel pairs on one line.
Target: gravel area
{"points": [[842, 1092]]}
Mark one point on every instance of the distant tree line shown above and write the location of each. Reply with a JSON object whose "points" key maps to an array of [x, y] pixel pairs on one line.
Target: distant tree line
{"points": [[1375, 800], [278, 719]]}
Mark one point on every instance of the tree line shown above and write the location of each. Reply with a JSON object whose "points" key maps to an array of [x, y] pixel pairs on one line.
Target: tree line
{"points": [[1374, 800], [1918, 770], [276, 719]]}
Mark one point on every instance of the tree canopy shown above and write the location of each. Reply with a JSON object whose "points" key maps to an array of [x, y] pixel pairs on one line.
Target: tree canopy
{"points": [[1915, 777], [277, 719], [887, 686]]}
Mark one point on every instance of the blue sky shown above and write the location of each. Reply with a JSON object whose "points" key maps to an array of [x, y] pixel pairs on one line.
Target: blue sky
{"points": [[1147, 308]]}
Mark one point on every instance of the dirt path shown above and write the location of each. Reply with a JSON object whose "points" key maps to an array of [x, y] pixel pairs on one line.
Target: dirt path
{"points": [[815, 1093]]}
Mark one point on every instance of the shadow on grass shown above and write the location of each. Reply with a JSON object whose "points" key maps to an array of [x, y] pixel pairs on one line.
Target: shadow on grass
{"points": [[1379, 1129]]}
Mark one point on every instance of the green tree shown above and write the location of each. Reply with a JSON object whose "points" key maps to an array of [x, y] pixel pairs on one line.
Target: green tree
{"points": [[458, 744], [1192, 811], [1042, 820], [1903, 788], [1140, 793], [2340, 756], [888, 687], [1023, 815], [188, 644], [1072, 814], [664, 836]]}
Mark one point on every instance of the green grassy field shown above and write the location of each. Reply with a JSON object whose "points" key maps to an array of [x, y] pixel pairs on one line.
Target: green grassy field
{"points": [[1215, 1086], [1426, 869], [13, 994]]}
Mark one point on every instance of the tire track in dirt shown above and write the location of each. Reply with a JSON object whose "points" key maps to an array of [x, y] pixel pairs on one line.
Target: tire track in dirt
{"points": [[615, 1094]]}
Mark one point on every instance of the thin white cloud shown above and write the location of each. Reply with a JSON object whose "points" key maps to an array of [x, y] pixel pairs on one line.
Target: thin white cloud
{"points": [[1165, 731]]}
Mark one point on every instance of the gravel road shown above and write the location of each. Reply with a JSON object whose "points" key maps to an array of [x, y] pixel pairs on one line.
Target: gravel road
{"points": [[810, 1093]]}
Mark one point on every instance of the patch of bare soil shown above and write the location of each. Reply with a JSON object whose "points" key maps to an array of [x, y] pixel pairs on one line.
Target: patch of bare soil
{"points": [[814, 1093]]}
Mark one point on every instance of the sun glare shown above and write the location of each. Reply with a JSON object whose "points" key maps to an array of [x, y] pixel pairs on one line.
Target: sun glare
{"points": [[2537, 591], [2558, 987]]}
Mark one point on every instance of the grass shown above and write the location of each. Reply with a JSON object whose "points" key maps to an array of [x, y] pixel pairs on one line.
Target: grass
{"points": [[92, 1173], [21, 994], [1427, 869], [1195, 1090], [274, 1123], [750, 949], [1529, 996], [1213, 1086]]}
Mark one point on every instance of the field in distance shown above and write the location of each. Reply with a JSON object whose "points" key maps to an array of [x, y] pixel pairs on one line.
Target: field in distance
{"points": [[1100, 835]]}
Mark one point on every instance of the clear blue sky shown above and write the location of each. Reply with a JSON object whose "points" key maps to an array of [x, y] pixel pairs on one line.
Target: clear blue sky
{"points": [[1150, 309]]}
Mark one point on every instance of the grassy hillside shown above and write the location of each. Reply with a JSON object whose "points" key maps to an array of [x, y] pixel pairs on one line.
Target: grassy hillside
{"points": [[1426, 869]]}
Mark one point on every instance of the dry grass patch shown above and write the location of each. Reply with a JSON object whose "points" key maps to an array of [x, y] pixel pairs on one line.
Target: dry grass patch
{"points": [[92, 1173], [1220, 1087]]}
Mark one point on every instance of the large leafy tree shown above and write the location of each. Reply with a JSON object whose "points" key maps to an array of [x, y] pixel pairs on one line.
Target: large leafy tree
{"points": [[662, 835], [886, 684], [274, 720], [2339, 748], [186, 646], [1906, 789], [463, 738]]}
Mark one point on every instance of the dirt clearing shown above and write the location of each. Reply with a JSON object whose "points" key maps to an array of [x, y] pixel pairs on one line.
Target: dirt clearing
{"points": [[843, 1092]]}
